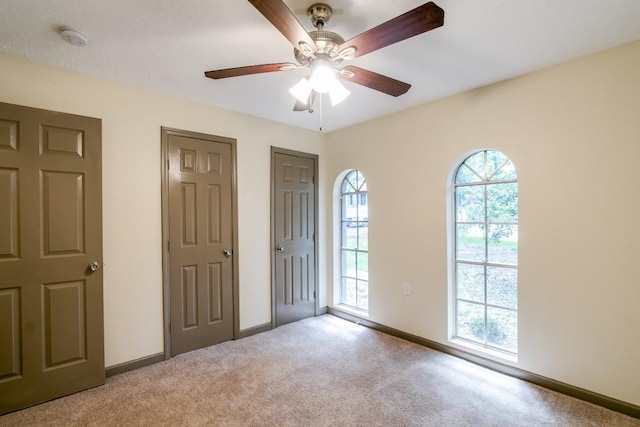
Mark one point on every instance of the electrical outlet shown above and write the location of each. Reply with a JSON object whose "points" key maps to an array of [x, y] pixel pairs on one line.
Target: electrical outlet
{"points": [[406, 288]]}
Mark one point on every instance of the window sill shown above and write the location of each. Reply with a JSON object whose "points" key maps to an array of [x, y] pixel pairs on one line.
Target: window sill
{"points": [[352, 310], [480, 350]]}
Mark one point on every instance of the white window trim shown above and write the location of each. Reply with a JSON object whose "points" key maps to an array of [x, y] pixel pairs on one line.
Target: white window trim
{"points": [[461, 344], [336, 264]]}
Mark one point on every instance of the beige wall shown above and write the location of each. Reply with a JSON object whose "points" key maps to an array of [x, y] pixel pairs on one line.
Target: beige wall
{"points": [[131, 121], [573, 133]]}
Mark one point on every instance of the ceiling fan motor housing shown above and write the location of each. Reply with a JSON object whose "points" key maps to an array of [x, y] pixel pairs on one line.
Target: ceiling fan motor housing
{"points": [[327, 42]]}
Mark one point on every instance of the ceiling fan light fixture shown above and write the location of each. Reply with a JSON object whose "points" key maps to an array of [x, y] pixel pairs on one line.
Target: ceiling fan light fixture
{"points": [[338, 92], [322, 77], [302, 90]]}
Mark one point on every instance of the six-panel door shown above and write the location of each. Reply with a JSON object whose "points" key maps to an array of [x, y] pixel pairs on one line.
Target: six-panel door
{"points": [[51, 312], [294, 229], [201, 242]]}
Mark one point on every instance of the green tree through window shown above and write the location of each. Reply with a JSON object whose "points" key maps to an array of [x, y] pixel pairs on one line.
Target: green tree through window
{"points": [[486, 251], [354, 242]]}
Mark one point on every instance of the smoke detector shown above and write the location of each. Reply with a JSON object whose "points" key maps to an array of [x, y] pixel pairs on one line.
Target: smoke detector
{"points": [[73, 37]]}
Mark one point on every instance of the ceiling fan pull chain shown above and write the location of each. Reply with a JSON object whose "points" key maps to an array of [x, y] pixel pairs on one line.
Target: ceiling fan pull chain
{"points": [[321, 96]]}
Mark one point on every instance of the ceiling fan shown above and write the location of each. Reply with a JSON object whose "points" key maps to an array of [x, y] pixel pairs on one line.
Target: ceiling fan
{"points": [[322, 51]]}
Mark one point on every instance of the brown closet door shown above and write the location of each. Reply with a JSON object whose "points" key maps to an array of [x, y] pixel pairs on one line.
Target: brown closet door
{"points": [[51, 313]]}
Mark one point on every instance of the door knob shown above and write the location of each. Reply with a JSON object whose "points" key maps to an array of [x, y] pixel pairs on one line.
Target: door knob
{"points": [[94, 266], [280, 249], [227, 253]]}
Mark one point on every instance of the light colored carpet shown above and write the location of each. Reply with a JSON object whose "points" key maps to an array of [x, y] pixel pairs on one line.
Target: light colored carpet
{"points": [[321, 371]]}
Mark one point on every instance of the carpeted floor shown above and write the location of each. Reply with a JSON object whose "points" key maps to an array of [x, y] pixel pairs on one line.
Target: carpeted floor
{"points": [[321, 371]]}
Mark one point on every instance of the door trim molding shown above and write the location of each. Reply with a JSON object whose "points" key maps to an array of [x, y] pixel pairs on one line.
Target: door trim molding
{"points": [[314, 157], [165, 133]]}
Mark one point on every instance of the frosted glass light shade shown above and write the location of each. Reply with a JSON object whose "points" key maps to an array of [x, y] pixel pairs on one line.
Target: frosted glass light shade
{"points": [[322, 78], [338, 92], [302, 90]]}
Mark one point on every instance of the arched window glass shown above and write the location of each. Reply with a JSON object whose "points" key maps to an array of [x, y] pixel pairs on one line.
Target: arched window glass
{"points": [[485, 266], [354, 247]]}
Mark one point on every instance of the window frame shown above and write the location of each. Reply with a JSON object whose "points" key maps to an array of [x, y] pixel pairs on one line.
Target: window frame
{"points": [[485, 181], [346, 200]]}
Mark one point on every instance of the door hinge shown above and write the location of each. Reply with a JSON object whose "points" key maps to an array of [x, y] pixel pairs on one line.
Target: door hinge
{"points": [[314, 294], [169, 245], [168, 164]]}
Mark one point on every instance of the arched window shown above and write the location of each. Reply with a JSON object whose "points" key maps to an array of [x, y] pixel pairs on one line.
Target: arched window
{"points": [[485, 270], [354, 231]]}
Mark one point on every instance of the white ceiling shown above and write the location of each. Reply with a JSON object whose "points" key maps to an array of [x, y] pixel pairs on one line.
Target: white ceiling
{"points": [[166, 45]]}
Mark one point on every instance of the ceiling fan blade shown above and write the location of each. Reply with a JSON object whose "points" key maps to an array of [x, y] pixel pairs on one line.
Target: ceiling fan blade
{"points": [[301, 106], [251, 69], [417, 21], [285, 21], [374, 81]]}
